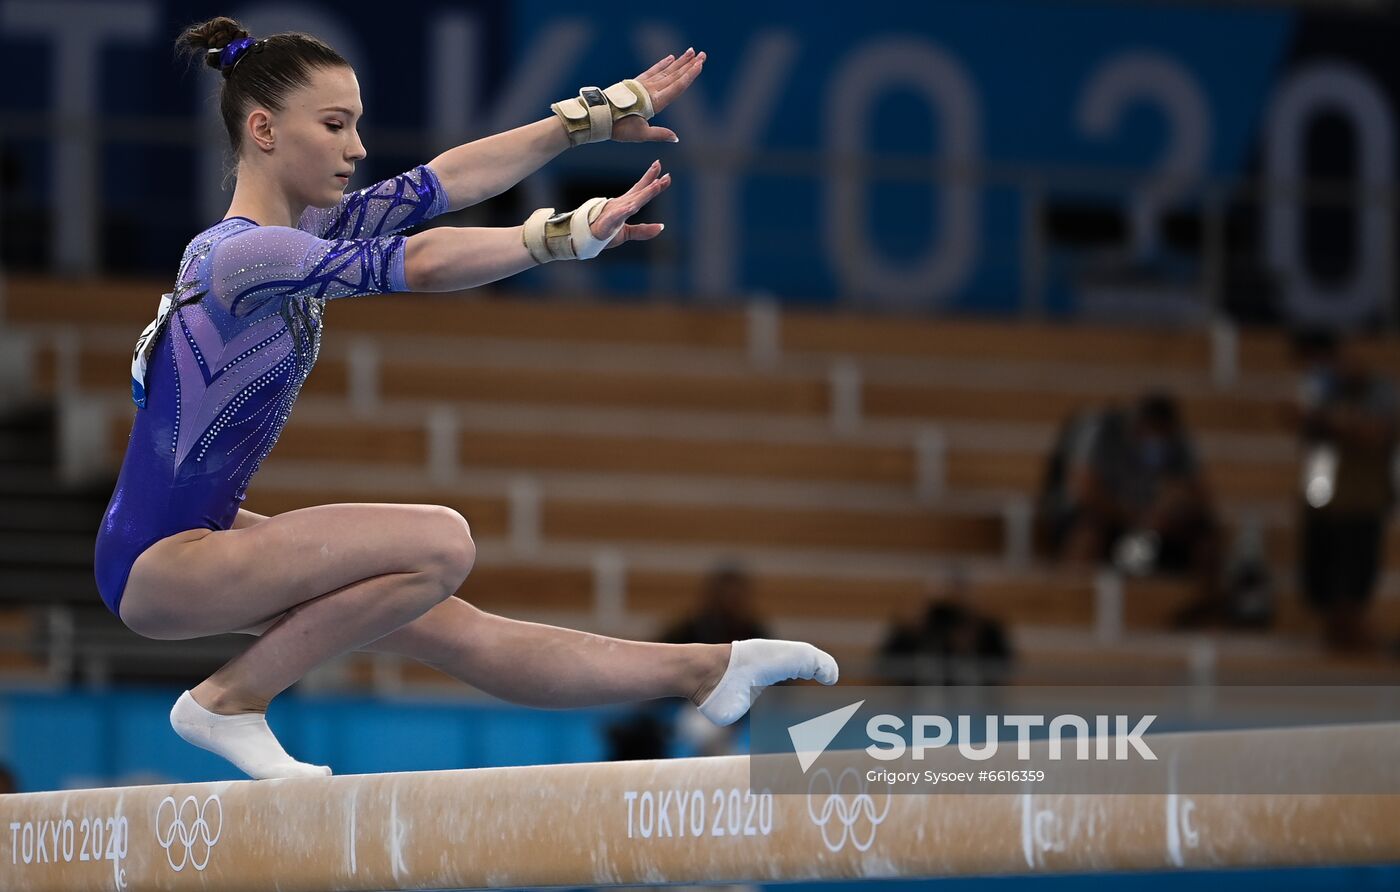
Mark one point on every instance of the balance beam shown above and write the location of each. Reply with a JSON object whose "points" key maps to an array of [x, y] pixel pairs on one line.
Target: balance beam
{"points": [[668, 821]]}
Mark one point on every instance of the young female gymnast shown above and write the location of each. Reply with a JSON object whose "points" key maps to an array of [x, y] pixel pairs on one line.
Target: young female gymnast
{"points": [[216, 373]]}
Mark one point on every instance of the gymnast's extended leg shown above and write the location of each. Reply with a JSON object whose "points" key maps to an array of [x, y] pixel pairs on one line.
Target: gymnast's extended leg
{"points": [[547, 666], [571, 668]]}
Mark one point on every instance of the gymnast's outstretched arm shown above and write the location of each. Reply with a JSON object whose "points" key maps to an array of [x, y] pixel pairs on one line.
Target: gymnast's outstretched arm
{"points": [[452, 258], [484, 168], [264, 263]]}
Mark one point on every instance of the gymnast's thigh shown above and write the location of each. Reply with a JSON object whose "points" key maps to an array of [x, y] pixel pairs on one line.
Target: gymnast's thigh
{"points": [[206, 582], [246, 518]]}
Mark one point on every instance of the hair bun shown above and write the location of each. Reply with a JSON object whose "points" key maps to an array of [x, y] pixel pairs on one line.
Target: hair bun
{"points": [[212, 37]]}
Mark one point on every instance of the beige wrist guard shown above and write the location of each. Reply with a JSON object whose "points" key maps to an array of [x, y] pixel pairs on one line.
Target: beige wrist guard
{"points": [[590, 116], [566, 236]]}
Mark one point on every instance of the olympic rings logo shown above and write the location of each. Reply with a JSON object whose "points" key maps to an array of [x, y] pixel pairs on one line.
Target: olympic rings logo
{"points": [[186, 832], [852, 811]]}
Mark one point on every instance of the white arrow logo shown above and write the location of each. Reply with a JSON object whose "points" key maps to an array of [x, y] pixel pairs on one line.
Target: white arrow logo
{"points": [[811, 738]]}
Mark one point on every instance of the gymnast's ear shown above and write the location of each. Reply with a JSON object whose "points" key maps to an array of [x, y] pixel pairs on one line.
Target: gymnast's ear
{"points": [[260, 129]]}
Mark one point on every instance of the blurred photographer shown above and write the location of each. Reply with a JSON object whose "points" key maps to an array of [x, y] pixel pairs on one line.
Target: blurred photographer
{"points": [[1347, 421], [1136, 498]]}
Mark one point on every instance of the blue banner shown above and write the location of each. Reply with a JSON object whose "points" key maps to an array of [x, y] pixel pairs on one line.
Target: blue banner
{"points": [[919, 158]]}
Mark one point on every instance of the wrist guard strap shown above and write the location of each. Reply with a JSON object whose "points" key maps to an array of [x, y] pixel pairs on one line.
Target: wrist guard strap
{"points": [[590, 116], [566, 236]]}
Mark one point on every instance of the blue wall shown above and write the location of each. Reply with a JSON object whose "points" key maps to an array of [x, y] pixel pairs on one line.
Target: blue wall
{"points": [[83, 740], [992, 85]]}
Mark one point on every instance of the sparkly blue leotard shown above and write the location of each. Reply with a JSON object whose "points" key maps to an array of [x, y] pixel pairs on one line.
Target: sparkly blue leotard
{"points": [[230, 351]]}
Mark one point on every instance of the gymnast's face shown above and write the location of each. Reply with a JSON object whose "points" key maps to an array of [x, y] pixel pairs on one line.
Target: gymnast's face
{"points": [[316, 141]]}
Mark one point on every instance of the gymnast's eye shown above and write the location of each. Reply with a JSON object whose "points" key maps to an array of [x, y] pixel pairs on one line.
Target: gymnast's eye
{"points": [[333, 126]]}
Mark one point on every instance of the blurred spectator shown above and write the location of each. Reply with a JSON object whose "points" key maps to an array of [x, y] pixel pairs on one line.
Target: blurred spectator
{"points": [[950, 644], [1129, 491], [1056, 512], [8, 784], [1347, 419], [724, 612], [641, 735], [1248, 583]]}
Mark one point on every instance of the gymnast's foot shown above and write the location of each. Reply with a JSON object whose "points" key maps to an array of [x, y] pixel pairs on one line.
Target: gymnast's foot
{"points": [[757, 663], [244, 739]]}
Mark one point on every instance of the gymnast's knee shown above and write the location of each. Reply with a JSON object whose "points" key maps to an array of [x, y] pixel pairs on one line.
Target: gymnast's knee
{"points": [[454, 552]]}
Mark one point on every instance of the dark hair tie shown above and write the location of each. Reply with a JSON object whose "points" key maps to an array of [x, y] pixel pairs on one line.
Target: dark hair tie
{"points": [[229, 55]]}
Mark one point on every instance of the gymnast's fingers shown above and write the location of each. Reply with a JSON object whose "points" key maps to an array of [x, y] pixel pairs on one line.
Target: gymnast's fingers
{"points": [[678, 85], [656, 69], [634, 232], [641, 232], [655, 188], [647, 179], [617, 210]]}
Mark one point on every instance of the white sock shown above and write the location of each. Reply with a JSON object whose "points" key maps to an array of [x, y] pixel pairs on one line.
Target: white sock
{"points": [[245, 740], [757, 663]]}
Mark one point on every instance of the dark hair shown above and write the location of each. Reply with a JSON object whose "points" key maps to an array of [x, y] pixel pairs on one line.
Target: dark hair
{"points": [[1314, 343], [1159, 409], [723, 575], [262, 75]]}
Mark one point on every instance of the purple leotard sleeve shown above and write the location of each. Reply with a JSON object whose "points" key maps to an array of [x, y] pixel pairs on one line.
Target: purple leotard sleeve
{"points": [[263, 264], [228, 359], [382, 209], [343, 251]]}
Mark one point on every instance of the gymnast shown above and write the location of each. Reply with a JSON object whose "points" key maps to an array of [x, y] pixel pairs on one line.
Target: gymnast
{"points": [[215, 374]]}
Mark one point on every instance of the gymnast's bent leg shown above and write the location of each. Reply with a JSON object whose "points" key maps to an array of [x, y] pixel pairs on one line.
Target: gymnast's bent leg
{"points": [[331, 579]]}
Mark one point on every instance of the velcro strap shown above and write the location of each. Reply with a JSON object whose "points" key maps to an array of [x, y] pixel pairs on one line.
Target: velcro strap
{"points": [[600, 113], [573, 109], [591, 115], [586, 247], [567, 235], [558, 236], [629, 97], [534, 235]]}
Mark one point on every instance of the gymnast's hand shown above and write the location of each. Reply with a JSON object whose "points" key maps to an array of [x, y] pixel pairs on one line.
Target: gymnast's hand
{"points": [[617, 210], [664, 81]]}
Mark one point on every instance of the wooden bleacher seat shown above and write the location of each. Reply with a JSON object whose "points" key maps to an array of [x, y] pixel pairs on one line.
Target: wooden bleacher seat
{"points": [[18, 626], [104, 369], [1023, 599], [44, 300]]}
